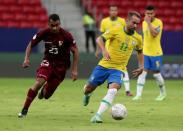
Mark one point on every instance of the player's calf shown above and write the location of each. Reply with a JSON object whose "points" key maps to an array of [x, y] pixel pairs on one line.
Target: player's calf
{"points": [[45, 94]]}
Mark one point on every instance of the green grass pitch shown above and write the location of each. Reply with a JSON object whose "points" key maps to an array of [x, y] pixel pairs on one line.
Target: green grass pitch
{"points": [[65, 112]]}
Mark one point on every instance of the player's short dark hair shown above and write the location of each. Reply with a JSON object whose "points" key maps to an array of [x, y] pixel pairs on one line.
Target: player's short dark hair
{"points": [[150, 7], [54, 17], [132, 13]]}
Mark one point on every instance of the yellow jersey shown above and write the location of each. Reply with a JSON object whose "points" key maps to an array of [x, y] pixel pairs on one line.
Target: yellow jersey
{"points": [[120, 48], [152, 45], [107, 23]]}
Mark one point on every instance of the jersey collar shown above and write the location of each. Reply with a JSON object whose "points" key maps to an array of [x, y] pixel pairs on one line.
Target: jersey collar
{"points": [[131, 32], [114, 19]]}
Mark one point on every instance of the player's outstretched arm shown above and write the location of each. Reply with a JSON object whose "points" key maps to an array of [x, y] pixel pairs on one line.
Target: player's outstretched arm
{"points": [[101, 44], [140, 58], [97, 52], [26, 62], [74, 68]]}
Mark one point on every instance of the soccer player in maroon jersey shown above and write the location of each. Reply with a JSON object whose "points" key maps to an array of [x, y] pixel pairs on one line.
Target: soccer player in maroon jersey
{"points": [[51, 72]]}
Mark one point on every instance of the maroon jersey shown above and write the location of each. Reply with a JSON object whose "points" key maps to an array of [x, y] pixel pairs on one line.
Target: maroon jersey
{"points": [[57, 46]]}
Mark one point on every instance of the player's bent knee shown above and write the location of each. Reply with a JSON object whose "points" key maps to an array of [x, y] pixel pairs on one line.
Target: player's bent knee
{"points": [[39, 84], [114, 86], [88, 89]]}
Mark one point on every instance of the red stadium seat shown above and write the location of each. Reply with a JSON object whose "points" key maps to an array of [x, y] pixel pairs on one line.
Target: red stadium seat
{"points": [[15, 9], [3, 24], [41, 10], [153, 2], [30, 2], [179, 12], [100, 3], [178, 27], [126, 3], [176, 4], [13, 24], [32, 17], [36, 2], [139, 4], [114, 2], [4, 8], [168, 12], [9, 2], [26, 24], [165, 19], [168, 27], [164, 4], [160, 13], [20, 13], [174, 20], [37, 24], [20, 17], [28, 9], [7, 16], [43, 18]]}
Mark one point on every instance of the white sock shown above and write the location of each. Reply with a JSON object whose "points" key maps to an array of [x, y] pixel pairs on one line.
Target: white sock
{"points": [[126, 81], [160, 82], [140, 83], [107, 101]]}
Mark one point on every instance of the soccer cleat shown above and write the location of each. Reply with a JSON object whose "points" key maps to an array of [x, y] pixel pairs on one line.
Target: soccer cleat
{"points": [[161, 97], [128, 93], [23, 113], [96, 119], [136, 98], [86, 99]]}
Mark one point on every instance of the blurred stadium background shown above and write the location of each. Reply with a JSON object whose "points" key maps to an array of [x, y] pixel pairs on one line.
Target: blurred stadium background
{"points": [[20, 19]]}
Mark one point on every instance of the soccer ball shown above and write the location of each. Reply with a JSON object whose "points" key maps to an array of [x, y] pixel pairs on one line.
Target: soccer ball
{"points": [[118, 111]]}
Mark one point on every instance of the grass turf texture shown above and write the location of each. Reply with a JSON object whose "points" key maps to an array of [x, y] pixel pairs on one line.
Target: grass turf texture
{"points": [[65, 112]]}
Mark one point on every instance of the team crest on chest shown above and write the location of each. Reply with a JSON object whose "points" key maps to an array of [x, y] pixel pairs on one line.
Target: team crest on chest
{"points": [[60, 43], [133, 42]]}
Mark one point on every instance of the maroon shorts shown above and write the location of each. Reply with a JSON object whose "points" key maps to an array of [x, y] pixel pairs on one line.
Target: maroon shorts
{"points": [[53, 75]]}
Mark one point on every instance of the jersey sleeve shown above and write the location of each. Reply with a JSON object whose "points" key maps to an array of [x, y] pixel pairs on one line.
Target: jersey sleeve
{"points": [[102, 26], [71, 41], [109, 34], [139, 45], [122, 21], [37, 38], [159, 27]]}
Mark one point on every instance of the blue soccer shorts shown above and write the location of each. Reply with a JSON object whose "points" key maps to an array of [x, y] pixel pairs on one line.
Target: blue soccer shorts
{"points": [[101, 74], [152, 63]]}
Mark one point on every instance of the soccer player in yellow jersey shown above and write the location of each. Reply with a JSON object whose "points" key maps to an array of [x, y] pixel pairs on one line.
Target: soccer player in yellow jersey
{"points": [[114, 21], [152, 30], [111, 67]]}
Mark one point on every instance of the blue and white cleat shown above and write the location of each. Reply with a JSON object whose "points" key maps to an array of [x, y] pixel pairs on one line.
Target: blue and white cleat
{"points": [[96, 119], [161, 97], [136, 98]]}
